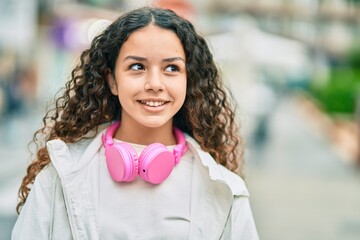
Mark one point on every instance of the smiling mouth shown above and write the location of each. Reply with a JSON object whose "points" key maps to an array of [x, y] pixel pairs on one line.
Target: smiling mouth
{"points": [[153, 103]]}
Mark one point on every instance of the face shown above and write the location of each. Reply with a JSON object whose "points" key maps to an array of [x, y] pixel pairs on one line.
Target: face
{"points": [[150, 78]]}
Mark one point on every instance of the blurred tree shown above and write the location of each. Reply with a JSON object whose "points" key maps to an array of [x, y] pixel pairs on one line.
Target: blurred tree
{"points": [[353, 1], [102, 3], [340, 93]]}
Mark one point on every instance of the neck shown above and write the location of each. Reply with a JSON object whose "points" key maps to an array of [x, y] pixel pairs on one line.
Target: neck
{"points": [[139, 134]]}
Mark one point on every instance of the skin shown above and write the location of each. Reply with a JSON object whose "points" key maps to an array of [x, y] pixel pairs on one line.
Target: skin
{"points": [[150, 82]]}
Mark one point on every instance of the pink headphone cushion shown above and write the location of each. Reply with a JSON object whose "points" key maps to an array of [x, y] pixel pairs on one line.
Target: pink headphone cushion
{"points": [[156, 163], [122, 162]]}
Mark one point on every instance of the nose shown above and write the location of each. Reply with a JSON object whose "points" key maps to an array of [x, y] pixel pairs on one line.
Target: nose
{"points": [[154, 81]]}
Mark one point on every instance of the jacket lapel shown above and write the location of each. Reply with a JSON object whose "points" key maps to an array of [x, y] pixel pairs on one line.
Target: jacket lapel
{"points": [[78, 186], [211, 200]]}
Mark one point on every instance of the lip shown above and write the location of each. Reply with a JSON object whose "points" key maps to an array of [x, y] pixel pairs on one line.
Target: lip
{"points": [[153, 105]]}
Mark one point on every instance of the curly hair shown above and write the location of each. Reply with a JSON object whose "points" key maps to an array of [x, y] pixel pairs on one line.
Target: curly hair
{"points": [[87, 102]]}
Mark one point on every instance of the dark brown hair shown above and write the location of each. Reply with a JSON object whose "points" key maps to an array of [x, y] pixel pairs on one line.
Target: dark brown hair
{"points": [[86, 102]]}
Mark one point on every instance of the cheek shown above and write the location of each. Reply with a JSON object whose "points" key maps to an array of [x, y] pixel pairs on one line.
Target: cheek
{"points": [[181, 90], [126, 86], [124, 94], [128, 89]]}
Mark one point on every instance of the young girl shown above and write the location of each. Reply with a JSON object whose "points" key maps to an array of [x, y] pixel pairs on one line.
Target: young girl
{"points": [[141, 145]]}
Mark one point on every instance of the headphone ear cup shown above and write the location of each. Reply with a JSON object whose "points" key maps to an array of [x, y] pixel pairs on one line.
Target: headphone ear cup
{"points": [[122, 162], [156, 163]]}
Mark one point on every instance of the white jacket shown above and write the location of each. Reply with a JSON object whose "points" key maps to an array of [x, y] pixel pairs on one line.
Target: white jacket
{"points": [[61, 201]]}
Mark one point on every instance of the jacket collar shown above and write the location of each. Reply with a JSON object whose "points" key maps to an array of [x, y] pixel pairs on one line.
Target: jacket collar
{"points": [[213, 187], [218, 172], [86, 149], [212, 195], [73, 157]]}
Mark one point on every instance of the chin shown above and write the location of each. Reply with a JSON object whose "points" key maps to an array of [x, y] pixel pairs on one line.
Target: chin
{"points": [[155, 123]]}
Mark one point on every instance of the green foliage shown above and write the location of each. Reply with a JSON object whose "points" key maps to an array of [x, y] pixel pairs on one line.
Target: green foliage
{"points": [[341, 91], [353, 1], [353, 57]]}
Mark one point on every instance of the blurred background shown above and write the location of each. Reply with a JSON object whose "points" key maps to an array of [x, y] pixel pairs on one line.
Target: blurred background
{"points": [[293, 67]]}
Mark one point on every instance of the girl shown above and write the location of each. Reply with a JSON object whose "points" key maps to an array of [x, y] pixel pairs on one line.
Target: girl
{"points": [[141, 145]]}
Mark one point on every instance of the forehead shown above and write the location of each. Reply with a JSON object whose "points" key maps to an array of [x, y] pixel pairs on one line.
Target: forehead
{"points": [[152, 39]]}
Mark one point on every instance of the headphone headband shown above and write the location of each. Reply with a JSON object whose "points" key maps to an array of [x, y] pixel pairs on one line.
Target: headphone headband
{"points": [[179, 150]]}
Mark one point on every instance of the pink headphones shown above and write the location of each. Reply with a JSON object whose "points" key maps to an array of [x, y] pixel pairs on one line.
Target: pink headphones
{"points": [[154, 164]]}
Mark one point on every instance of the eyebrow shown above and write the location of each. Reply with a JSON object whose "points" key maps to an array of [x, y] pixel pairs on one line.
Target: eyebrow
{"points": [[142, 59], [173, 59]]}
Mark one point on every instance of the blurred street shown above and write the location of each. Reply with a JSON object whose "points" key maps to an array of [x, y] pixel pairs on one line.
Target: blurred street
{"points": [[300, 187], [16, 133], [274, 55]]}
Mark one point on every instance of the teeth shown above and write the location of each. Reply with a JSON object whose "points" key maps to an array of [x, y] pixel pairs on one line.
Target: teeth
{"points": [[153, 103]]}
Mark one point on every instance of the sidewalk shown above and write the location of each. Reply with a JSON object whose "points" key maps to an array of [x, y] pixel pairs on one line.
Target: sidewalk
{"points": [[300, 187]]}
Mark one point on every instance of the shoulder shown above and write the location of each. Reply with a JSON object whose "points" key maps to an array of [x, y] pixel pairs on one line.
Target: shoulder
{"points": [[71, 157], [46, 177], [41, 190], [218, 172]]}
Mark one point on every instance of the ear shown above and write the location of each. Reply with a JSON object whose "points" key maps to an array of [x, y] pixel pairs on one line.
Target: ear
{"points": [[112, 82]]}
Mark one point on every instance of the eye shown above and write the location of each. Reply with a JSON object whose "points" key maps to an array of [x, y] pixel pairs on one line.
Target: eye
{"points": [[136, 67], [172, 68]]}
